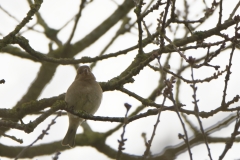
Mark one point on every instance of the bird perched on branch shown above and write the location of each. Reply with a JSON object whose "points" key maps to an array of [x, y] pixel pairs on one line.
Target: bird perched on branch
{"points": [[84, 94]]}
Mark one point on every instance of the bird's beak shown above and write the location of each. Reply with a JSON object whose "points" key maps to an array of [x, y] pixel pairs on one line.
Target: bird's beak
{"points": [[86, 71]]}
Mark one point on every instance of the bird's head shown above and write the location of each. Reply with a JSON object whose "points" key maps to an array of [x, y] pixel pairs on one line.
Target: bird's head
{"points": [[84, 73]]}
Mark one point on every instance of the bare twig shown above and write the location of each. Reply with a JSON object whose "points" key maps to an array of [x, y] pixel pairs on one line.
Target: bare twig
{"points": [[234, 10], [44, 132], [233, 136], [149, 142], [123, 140], [82, 5], [11, 137], [220, 13], [168, 91], [227, 76], [196, 109], [9, 38]]}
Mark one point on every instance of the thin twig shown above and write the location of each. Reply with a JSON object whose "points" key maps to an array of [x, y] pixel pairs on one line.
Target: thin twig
{"points": [[220, 13], [149, 142], [11, 137], [169, 92], [234, 10], [139, 22], [227, 76], [232, 139], [8, 39], [82, 5], [196, 109], [123, 140], [44, 132]]}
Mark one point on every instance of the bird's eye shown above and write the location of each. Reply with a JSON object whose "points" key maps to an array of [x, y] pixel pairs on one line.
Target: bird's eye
{"points": [[80, 71], [83, 71]]}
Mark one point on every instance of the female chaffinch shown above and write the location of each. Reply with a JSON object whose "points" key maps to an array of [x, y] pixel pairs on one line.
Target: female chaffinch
{"points": [[83, 94]]}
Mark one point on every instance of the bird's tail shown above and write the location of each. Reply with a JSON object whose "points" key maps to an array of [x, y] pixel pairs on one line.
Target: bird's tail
{"points": [[69, 138], [74, 122]]}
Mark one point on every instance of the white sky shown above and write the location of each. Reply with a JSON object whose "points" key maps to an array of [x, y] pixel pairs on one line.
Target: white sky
{"points": [[19, 73]]}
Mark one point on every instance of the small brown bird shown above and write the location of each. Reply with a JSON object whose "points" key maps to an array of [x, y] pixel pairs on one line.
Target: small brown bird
{"points": [[83, 94]]}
